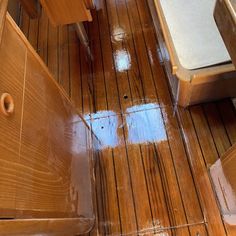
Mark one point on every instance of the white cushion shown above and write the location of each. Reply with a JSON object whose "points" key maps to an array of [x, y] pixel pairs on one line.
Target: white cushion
{"points": [[194, 32]]}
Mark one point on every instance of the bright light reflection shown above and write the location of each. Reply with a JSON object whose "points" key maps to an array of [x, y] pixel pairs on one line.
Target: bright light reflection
{"points": [[122, 60], [144, 125], [104, 125]]}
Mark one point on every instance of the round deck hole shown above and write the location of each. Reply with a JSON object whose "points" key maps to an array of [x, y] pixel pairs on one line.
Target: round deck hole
{"points": [[125, 96], [7, 104]]}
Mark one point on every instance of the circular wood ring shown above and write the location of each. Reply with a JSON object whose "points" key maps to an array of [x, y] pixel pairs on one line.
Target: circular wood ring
{"points": [[7, 104]]}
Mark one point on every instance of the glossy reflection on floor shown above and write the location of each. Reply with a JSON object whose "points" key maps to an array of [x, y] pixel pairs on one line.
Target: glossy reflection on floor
{"points": [[151, 165], [143, 124]]}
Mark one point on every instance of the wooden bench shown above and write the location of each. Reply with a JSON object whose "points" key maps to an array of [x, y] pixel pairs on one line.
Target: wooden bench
{"points": [[192, 81]]}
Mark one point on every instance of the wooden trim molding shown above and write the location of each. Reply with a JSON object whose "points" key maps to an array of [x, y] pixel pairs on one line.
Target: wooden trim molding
{"points": [[64, 226], [3, 10], [225, 16], [89, 4], [62, 12]]}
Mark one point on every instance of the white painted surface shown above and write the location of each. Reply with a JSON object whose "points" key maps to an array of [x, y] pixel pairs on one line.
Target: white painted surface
{"points": [[194, 32]]}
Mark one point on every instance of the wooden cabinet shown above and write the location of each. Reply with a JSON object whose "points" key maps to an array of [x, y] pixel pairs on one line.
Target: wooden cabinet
{"points": [[63, 12], [45, 147], [53, 138], [12, 57]]}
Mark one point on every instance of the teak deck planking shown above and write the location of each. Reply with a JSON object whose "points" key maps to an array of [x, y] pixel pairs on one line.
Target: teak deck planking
{"points": [[150, 187]]}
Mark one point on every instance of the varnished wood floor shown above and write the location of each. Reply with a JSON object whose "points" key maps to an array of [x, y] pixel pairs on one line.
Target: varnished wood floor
{"points": [[152, 167]]}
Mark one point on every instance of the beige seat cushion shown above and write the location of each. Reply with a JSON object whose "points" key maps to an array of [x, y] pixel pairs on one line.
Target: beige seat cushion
{"points": [[194, 32]]}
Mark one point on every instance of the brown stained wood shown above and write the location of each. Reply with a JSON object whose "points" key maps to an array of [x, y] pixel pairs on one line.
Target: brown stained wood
{"points": [[106, 174], [229, 120], [86, 84], [137, 174], [37, 70], [75, 68], [24, 23], [64, 74], [177, 149], [30, 7], [53, 51], [98, 227], [158, 202], [171, 176], [35, 152], [107, 59], [225, 16], [44, 180], [143, 60], [124, 34], [63, 12], [12, 54], [98, 77], [204, 135], [109, 192], [211, 212], [33, 33], [69, 227], [119, 54], [43, 37], [217, 128], [121, 163], [124, 187], [3, 10], [90, 4], [125, 192]]}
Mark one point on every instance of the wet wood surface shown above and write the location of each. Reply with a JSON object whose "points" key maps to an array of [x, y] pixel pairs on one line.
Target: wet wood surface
{"points": [[152, 167]]}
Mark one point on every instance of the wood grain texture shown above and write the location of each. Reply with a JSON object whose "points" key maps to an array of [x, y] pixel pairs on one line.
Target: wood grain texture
{"points": [[63, 12], [90, 4], [3, 10], [225, 16], [147, 149], [58, 227], [30, 7], [40, 176], [13, 59]]}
